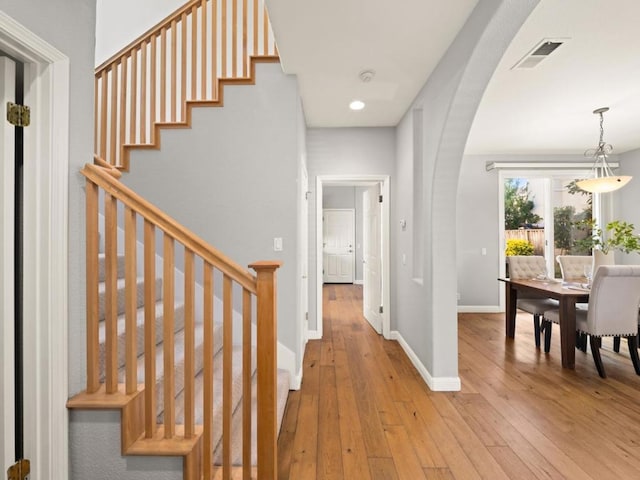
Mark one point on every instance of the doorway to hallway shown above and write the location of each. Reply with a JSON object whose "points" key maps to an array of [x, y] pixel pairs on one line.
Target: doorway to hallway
{"points": [[374, 247]]}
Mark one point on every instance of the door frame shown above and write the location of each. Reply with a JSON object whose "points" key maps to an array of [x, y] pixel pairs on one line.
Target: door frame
{"points": [[46, 78], [7, 292], [355, 181]]}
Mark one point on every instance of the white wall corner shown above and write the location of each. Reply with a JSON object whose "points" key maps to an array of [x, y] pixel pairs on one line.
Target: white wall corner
{"points": [[287, 361], [437, 384]]}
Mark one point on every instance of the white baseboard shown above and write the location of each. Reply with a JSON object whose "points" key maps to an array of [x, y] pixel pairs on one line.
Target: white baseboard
{"points": [[287, 361], [358, 282], [437, 384], [480, 309], [313, 335]]}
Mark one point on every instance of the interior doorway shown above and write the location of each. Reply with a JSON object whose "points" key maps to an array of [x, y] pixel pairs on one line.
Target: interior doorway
{"points": [[380, 184]]}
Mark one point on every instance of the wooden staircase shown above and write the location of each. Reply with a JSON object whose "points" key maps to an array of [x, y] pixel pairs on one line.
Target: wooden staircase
{"points": [[185, 386], [182, 63], [162, 351]]}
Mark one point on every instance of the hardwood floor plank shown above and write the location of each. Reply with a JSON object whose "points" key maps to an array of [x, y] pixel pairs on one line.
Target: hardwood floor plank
{"points": [[479, 408], [482, 459], [305, 446], [354, 454], [438, 474], [407, 464], [329, 446], [383, 469], [368, 413], [510, 462], [419, 436], [311, 368]]}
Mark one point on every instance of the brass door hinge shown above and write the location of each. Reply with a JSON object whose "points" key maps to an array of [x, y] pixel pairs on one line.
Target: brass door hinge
{"points": [[18, 115], [20, 470]]}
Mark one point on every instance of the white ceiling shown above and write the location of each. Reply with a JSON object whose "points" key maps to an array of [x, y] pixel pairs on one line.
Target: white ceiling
{"points": [[327, 43], [546, 109]]}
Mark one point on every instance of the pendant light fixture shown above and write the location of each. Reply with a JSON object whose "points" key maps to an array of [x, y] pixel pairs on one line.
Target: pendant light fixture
{"points": [[603, 180]]}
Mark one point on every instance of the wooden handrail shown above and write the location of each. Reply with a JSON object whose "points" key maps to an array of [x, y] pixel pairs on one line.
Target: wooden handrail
{"points": [[110, 169], [155, 30], [167, 224]]}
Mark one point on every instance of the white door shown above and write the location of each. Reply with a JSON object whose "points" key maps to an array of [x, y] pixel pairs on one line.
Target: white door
{"points": [[372, 258], [7, 174], [338, 231]]}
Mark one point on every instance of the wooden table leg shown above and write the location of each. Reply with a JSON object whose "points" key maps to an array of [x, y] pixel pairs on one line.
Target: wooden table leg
{"points": [[568, 331], [511, 295]]}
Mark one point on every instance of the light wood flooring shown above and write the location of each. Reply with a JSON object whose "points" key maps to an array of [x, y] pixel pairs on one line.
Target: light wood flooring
{"points": [[363, 412]]}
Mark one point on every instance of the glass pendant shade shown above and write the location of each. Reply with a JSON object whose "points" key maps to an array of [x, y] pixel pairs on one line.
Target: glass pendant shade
{"points": [[603, 184], [603, 180]]}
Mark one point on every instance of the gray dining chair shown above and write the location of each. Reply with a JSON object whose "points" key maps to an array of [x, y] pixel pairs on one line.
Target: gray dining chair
{"points": [[612, 311], [572, 266], [526, 267]]}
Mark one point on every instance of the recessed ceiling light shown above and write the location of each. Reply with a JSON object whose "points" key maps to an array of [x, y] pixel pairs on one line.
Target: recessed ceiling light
{"points": [[356, 105]]}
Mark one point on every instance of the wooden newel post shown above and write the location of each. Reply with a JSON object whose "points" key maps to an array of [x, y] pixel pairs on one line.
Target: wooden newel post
{"points": [[267, 366]]}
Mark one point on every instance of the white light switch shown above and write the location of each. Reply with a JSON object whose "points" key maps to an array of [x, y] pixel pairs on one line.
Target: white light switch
{"points": [[484, 251], [404, 259], [277, 244]]}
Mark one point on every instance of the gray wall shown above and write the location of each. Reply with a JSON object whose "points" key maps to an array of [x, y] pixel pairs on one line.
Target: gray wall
{"points": [[232, 179], [343, 151], [425, 314], [627, 199], [348, 197]]}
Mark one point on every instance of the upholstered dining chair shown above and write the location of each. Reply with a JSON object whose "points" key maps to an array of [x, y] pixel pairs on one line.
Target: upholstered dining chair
{"points": [[572, 266], [612, 311], [527, 267]]}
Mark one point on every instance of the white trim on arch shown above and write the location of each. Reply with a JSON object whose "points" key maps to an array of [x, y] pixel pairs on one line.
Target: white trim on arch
{"points": [[354, 180], [46, 142]]}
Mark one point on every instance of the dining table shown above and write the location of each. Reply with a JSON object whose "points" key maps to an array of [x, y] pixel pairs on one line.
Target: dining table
{"points": [[568, 294]]}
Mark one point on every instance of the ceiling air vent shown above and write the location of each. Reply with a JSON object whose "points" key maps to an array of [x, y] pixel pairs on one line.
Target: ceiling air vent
{"points": [[538, 53]]}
